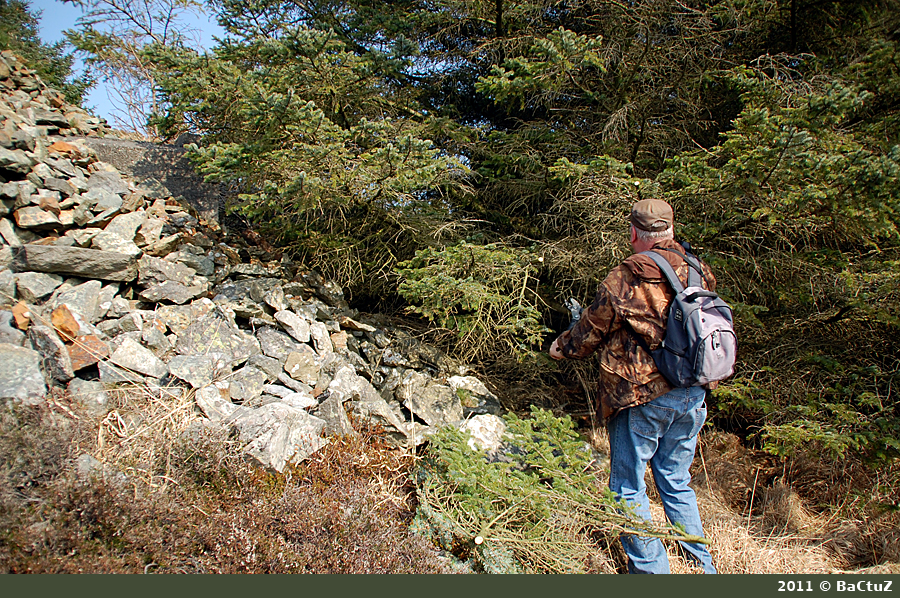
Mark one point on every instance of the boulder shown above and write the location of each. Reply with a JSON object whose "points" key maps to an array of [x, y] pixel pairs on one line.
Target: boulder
{"points": [[216, 332], [277, 434], [86, 350], [83, 299], [435, 403], [179, 317], [135, 357], [173, 292], [110, 241], [9, 334], [321, 338], [214, 402], [246, 384], [34, 286], [275, 344], [34, 217], [87, 263], [485, 432], [302, 367], [54, 355], [269, 366], [15, 161], [294, 325], [476, 399], [199, 370], [21, 379], [107, 181], [154, 270], [332, 412], [126, 225], [91, 395], [365, 402]]}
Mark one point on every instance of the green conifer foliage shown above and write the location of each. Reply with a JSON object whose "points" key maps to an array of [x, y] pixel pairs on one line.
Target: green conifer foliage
{"points": [[19, 33], [535, 505]]}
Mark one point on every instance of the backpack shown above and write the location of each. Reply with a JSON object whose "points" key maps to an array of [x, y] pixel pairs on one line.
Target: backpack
{"points": [[700, 345]]}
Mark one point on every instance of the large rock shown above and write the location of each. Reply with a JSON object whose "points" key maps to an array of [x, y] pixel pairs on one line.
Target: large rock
{"points": [[214, 401], [154, 270], [87, 350], [332, 412], [87, 263], [275, 344], [110, 241], [112, 375], [195, 258], [435, 403], [271, 367], [83, 299], [485, 432], [294, 325], [126, 225], [21, 378], [91, 395], [162, 170], [33, 217], [321, 338], [168, 281], [199, 370], [15, 161], [302, 367], [302, 400], [7, 287], [138, 358], [173, 292], [179, 317], [365, 402], [476, 399], [34, 286], [246, 384], [11, 335], [277, 434], [108, 181], [55, 356], [216, 332]]}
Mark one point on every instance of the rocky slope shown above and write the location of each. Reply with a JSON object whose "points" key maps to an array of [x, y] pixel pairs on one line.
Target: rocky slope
{"points": [[108, 281]]}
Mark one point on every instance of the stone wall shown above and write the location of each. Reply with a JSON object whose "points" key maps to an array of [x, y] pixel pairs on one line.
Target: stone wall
{"points": [[107, 282]]}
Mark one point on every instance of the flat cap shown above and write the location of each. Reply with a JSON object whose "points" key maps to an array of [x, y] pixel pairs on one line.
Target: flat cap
{"points": [[652, 215]]}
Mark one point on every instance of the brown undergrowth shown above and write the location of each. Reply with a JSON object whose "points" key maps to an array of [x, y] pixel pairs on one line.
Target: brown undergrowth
{"points": [[149, 489], [345, 511]]}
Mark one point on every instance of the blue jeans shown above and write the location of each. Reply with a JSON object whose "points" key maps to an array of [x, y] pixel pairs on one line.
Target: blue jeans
{"points": [[663, 432]]}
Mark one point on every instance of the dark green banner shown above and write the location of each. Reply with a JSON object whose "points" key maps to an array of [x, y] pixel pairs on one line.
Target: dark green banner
{"points": [[472, 586]]}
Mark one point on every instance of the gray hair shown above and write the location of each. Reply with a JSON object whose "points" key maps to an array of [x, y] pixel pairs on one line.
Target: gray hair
{"points": [[646, 235]]}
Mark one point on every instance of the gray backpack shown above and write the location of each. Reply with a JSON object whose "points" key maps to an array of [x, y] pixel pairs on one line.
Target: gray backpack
{"points": [[700, 345]]}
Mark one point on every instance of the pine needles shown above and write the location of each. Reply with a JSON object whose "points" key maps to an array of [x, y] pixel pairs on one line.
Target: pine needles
{"points": [[535, 505]]}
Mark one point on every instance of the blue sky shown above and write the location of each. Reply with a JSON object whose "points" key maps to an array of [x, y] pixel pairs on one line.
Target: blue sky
{"points": [[57, 16]]}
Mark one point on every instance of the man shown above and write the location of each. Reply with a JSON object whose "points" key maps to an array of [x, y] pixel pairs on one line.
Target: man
{"points": [[648, 419]]}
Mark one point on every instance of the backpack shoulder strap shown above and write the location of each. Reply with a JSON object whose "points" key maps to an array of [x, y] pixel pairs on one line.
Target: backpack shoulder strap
{"points": [[695, 272], [667, 270]]}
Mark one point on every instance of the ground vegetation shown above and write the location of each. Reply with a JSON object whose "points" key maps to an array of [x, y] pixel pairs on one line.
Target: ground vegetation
{"points": [[390, 143]]}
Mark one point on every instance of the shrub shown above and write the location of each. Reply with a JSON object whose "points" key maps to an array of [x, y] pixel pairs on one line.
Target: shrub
{"points": [[483, 293], [535, 506]]}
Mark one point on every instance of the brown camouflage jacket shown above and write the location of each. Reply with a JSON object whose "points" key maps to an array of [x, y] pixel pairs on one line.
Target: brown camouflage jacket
{"points": [[635, 291]]}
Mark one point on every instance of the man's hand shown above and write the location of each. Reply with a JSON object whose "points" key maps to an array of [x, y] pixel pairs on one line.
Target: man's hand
{"points": [[554, 351]]}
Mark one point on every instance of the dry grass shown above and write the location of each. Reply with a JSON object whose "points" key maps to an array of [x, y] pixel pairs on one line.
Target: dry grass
{"points": [[176, 496], [759, 523], [172, 497]]}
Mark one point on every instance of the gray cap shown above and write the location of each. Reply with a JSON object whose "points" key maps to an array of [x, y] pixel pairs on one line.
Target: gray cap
{"points": [[652, 215]]}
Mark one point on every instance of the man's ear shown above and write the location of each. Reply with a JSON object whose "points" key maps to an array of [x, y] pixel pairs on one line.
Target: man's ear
{"points": [[633, 234]]}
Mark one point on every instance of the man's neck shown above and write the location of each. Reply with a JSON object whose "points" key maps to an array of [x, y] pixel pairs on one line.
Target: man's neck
{"points": [[640, 245]]}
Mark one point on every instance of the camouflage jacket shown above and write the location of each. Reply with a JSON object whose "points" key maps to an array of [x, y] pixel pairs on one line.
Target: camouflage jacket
{"points": [[636, 292]]}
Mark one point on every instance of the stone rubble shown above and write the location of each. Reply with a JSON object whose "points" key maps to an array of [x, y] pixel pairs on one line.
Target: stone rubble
{"points": [[105, 283]]}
